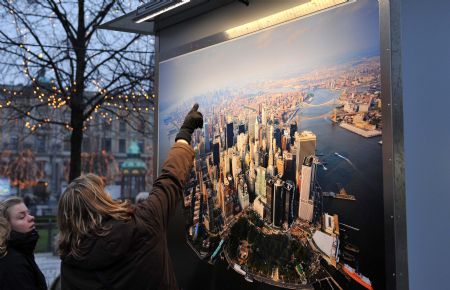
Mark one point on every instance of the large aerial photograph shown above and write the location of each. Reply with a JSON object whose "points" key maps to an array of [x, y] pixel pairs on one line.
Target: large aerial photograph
{"points": [[287, 188]]}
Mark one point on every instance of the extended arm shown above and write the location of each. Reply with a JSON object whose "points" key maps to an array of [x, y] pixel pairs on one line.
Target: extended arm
{"points": [[168, 187]]}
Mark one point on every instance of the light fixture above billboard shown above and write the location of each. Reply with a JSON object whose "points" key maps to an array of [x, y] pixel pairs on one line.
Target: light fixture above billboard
{"points": [[154, 8], [308, 8]]}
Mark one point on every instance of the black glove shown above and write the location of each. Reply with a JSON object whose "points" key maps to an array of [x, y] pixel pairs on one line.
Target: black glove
{"points": [[192, 121]]}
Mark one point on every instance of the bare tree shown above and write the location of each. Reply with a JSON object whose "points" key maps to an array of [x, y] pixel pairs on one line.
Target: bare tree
{"points": [[72, 71]]}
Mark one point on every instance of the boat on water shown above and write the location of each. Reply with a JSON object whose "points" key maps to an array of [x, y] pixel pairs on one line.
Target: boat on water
{"points": [[238, 269], [358, 277], [309, 97], [329, 194], [348, 257], [352, 248], [344, 195], [341, 195], [248, 279]]}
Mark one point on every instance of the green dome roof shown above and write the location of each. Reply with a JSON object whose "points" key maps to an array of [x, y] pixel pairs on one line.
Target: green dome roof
{"points": [[134, 149], [133, 161]]}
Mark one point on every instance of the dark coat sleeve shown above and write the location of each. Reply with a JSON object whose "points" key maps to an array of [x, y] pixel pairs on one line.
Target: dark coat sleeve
{"points": [[18, 274], [167, 189]]}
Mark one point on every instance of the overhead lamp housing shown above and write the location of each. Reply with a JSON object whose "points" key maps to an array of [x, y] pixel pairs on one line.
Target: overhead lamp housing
{"points": [[156, 7], [307, 8]]}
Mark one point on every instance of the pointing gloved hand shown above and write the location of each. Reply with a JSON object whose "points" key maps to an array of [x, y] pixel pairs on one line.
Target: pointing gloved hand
{"points": [[192, 121]]}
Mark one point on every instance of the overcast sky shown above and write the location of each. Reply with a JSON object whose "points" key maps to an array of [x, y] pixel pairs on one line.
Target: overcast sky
{"points": [[51, 33], [305, 44]]}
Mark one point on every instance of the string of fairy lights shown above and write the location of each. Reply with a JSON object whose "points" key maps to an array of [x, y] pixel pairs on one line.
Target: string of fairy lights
{"points": [[58, 98], [55, 101]]}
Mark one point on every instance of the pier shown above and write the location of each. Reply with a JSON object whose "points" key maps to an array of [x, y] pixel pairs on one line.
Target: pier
{"points": [[350, 227], [359, 131]]}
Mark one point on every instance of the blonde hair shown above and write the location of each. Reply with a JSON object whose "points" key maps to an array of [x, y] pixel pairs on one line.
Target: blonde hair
{"points": [[4, 235], [82, 211], [7, 203]]}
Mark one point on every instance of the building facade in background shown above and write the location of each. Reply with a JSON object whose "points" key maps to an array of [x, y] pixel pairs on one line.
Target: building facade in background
{"points": [[104, 147]]}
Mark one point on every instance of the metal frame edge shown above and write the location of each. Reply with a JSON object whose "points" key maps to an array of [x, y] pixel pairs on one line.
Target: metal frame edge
{"points": [[396, 256]]}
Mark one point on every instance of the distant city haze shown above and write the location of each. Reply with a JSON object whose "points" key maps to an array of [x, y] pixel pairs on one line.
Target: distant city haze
{"points": [[300, 46]]}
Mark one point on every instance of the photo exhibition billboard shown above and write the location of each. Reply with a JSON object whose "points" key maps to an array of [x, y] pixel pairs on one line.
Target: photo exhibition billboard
{"points": [[287, 185]]}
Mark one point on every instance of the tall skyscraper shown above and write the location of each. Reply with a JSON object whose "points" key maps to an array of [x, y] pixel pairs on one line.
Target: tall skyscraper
{"points": [[305, 144], [222, 120], [305, 186], [265, 159], [236, 167], [256, 127], [306, 210], [242, 140], [306, 207], [230, 135], [283, 143], [289, 167], [274, 146], [206, 134], [269, 197], [293, 129], [261, 136], [271, 159], [241, 129], [251, 126], [277, 136], [216, 152], [260, 184], [278, 203], [256, 156], [270, 139], [289, 189], [251, 180], [263, 117], [288, 143], [280, 167], [226, 163], [243, 193]]}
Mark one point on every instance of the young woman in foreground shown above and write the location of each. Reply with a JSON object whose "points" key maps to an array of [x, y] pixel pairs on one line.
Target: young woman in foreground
{"points": [[107, 244], [18, 270]]}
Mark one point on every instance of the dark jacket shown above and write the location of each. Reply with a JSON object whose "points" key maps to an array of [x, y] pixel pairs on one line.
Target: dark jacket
{"points": [[134, 256], [18, 270]]}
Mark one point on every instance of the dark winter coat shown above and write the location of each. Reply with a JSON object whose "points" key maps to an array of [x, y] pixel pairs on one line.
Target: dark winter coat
{"points": [[135, 256], [18, 270]]}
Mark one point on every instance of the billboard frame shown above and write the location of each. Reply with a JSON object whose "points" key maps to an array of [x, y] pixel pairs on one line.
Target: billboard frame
{"points": [[394, 193]]}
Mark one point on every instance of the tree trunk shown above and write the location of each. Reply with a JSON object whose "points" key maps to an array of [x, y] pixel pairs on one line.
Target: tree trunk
{"points": [[76, 140], [77, 103]]}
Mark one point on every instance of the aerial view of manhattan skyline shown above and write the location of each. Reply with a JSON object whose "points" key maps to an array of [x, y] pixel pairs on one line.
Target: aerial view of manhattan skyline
{"points": [[290, 152]]}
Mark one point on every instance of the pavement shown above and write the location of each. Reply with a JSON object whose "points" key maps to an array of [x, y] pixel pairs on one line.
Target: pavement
{"points": [[50, 266]]}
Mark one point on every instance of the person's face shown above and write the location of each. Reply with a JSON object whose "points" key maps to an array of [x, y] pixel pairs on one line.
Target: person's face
{"points": [[20, 219]]}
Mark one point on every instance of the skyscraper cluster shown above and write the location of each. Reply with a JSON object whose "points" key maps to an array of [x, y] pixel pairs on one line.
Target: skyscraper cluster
{"points": [[258, 162]]}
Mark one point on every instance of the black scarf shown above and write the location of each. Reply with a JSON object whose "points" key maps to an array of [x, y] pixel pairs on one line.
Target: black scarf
{"points": [[25, 244]]}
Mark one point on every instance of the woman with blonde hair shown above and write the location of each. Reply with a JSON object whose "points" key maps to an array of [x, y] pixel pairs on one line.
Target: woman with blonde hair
{"points": [[4, 235], [108, 244], [18, 269]]}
